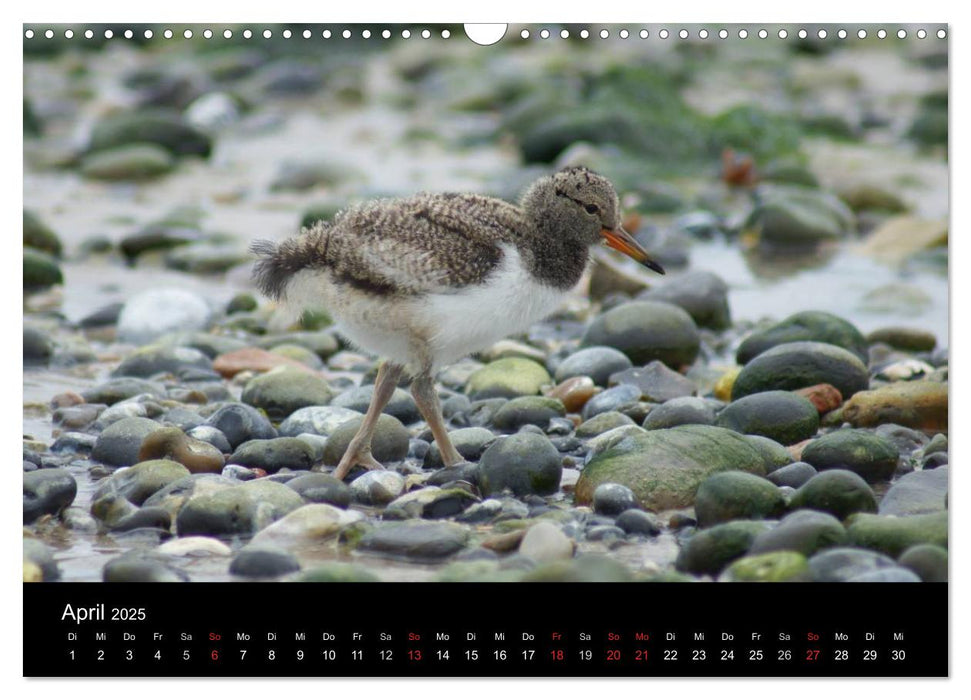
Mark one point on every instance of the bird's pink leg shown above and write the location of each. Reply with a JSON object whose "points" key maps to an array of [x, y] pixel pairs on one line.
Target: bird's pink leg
{"points": [[426, 398], [359, 450]]}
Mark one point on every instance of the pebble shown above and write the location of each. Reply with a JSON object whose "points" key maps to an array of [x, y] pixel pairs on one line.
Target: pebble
{"points": [[817, 326], [419, 540], [703, 294], [928, 561], [780, 415], [665, 467], [321, 488], [656, 382], [805, 531], [892, 535], [73, 443], [138, 482], [597, 362], [151, 314], [470, 443], [390, 442], [527, 410], [136, 162], [41, 556], [228, 511], [793, 475], [844, 563], [197, 456], [213, 436], [273, 454], [119, 389], [544, 542], [263, 562], [430, 502], [734, 495], [524, 463], [647, 331], [401, 405], [573, 392], [710, 550], [613, 499], [611, 400], [377, 487], [38, 347], [825, 397], [903, 338], [283, 390], [138, 567], [683, 410], [120, 443], [507, 378], [862, 452], [638, 522], [306, 525], [799, 217], [194, 547], [40, 270], [770, 567], [922, 405], [836, 491], [239, 422], [601, 423], [797, 365]]}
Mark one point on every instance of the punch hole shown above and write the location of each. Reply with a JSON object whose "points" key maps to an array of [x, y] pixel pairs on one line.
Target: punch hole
{"points": [[247, 34], [386, 34], [88, 34], [584, 34], [861, 34], [683, 34], [821, 34], [347, 33], [921, 34], [882, 34], [763, 34], [564, 34], [783, 33], [446, 34], [663, 33], [524, 34], [128, 34], [941, 34], [743, 34], [267, 34], [901, 33], [287, 34], [703, 34], [187, 33], [604, 33], [69, 34], [544, 34], [108, 34], [485, 34], [325, 34], [803, 34], [841, 33], [307, 34], [722, 33], [366, 33], [149, 34], [643, 34], [207, 33], [406, 34]]}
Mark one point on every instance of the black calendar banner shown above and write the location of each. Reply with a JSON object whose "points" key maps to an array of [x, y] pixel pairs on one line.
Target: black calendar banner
{"points": [[485, 630]]}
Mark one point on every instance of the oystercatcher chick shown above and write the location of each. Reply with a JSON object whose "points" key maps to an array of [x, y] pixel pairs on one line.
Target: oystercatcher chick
{"points": [[425, 280]]}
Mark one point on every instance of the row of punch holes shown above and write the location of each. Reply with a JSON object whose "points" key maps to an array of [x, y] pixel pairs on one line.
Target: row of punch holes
{"points": [[524, 34]]}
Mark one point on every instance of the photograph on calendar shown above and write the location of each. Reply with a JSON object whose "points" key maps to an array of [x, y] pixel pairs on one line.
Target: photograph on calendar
{"points": [[346, 305]]}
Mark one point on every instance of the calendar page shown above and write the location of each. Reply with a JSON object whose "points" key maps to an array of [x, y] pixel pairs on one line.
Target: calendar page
{"points": [[485, 350]]}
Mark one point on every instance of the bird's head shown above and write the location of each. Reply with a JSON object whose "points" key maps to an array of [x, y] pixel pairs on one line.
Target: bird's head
{"points": [[584, 205]]}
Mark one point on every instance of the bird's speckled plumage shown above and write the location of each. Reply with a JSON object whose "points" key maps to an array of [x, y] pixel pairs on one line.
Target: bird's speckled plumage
{"points": [[383, 268]]}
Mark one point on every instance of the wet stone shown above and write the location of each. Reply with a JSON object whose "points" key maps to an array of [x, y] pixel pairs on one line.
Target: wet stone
{"points": [[598, 363], [317, 420], [171, 443], [793, 475], [601, 423], [138, 567], [470, 443], [527, 410], [734, 495], [613, 499], [791, 366], [638, 522], [321, 488], [524, 463], [390, 442], [273, 454], [836, 491], [213, 436], [817, 326], [283, 390], [42, 556], [544, 542], [780, 415], [263, 562], [862, 452], [377, 487], [239, 422], [892, 535], [507, 378], [137, 483], [153, 313], [711, 550], [224, 512], [684, 410], [47, 492], [656, 382], [928, 561], [845, 563], [420, 540], [647, 331], [805, 531], [116, 390], [703, 294], [611, 400], [119, 444]]}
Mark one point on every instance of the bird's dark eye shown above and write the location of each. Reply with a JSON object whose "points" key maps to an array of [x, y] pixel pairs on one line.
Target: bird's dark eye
{"points": [[592, 208]]}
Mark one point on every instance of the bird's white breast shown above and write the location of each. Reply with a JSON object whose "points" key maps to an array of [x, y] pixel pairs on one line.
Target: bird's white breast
{"points": [[475, 317]]}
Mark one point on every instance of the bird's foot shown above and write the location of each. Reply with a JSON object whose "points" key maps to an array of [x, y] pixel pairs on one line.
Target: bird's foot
{"points": [[356, 458]]}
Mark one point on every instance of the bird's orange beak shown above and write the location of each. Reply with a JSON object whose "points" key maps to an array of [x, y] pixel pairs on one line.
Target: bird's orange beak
{"points": [[619, 239]]}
